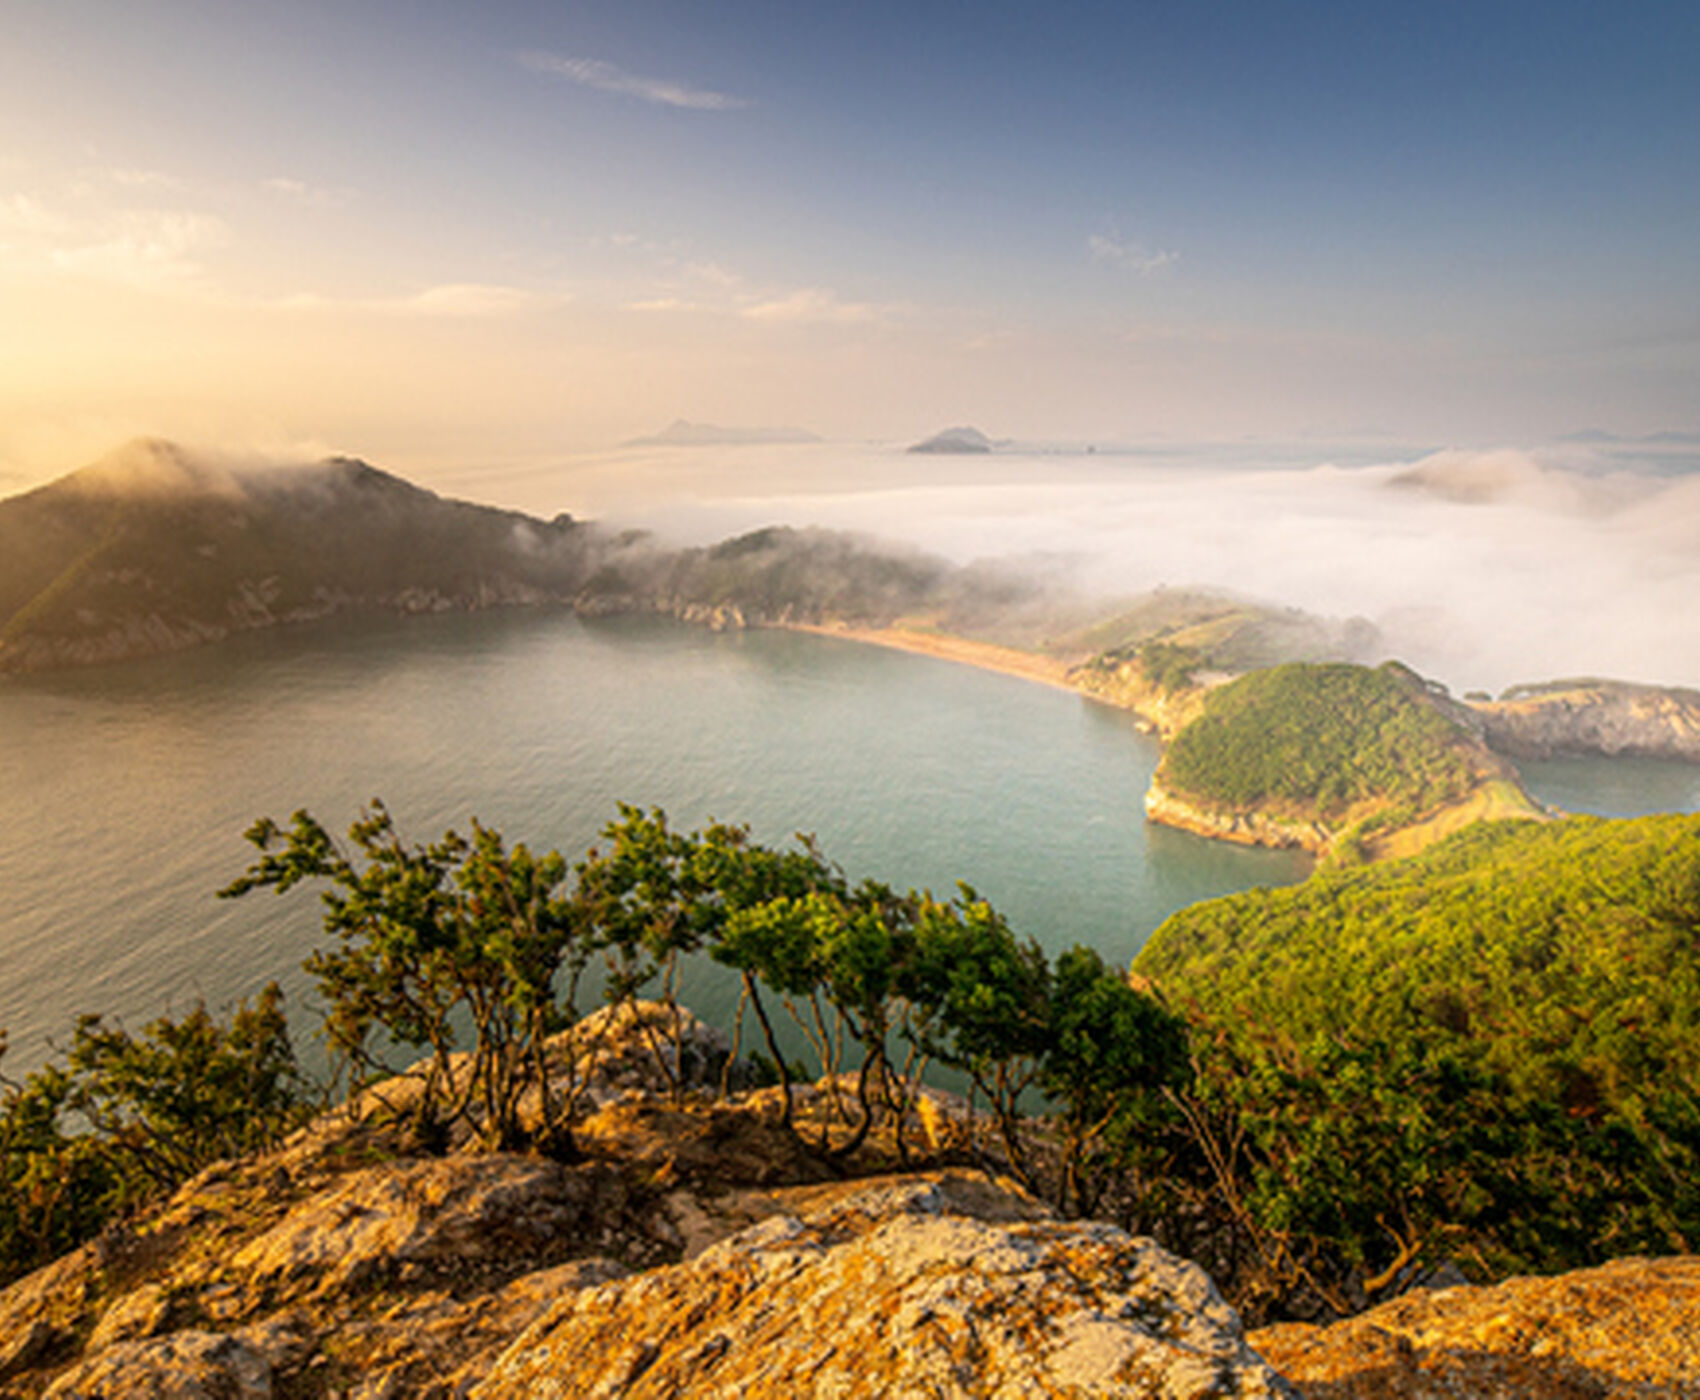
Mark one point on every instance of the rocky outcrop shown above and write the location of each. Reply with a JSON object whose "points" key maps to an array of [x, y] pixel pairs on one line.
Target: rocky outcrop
{"points": [[665, 1274], [946, 1288], [1161, 710], [697, 1247], [1627, 1331], [1244, 828], [1593, 717], [693, 1245]]}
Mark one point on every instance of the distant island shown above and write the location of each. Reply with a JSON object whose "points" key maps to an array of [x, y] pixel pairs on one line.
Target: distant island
{"points": [[954, 441], [680, 433]]}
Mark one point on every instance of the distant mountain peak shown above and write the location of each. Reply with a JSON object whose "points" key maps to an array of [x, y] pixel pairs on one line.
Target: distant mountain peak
{"points": [[954, 440], [151, 466], [681, 433]]}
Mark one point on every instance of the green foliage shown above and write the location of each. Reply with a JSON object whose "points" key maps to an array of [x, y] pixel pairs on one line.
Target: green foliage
{"points": [[128, 1117], [1167, 666], [1316, 740], [806, 574], [426, 934], [1110, 1052], [190, 1091], [1489, 1052]]}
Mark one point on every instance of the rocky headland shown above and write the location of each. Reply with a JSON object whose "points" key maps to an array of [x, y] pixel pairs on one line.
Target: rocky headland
{"points": [[1335, 759], [694, 1249]]}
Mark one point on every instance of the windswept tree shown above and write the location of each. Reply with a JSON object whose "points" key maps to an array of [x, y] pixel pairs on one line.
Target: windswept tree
{"points": [[124, 1118], [430, 933], [984, 997], [1111, 1054]]}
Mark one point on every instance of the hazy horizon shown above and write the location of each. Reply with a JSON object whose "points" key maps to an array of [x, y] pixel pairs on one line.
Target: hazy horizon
{"points": [[435, 235]]}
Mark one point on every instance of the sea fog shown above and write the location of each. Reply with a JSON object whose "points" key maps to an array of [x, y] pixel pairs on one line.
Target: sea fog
{"points": [[1481, 567]]}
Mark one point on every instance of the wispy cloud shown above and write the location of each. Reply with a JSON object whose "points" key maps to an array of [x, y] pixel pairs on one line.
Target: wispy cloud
{"points": [[1113, 251], [145, 248], [610, 77], [448, 301], [144, 179], [664, 304], [77, 234], [25, 215], [813, 304], [300, 192]]}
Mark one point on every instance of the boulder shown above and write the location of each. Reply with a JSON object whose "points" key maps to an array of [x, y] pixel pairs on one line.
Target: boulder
{"points": [[939, 1288], [1629, 1330]]}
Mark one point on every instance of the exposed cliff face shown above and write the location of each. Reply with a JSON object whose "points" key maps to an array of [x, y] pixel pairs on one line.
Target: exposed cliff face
{"points": [[1629, 1330], [1162, 711], [1250, 827], [1593, 717]]}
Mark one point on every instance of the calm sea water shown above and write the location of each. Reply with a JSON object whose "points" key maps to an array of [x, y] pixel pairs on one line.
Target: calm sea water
{"points": [[124, 791]]}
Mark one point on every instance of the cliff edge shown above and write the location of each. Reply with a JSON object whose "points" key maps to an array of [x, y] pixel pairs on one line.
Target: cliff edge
{"points": [[695, 1248]]}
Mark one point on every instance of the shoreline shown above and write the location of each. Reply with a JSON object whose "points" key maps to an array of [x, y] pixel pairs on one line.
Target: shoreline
{"points": [[984, 656]]}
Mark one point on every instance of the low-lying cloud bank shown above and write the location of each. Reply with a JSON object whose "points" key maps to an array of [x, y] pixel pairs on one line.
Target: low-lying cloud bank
{"points": [[1483, 568]]}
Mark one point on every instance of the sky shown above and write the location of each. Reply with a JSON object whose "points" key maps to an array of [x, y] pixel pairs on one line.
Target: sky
{"points": [[448, 237]]}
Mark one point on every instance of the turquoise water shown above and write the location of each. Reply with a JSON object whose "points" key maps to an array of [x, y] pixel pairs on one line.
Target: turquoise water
{"points": [[124, 791], [1614, 787]]}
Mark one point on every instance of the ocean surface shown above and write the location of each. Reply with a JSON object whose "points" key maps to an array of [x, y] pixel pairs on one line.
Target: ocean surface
{"points": [[124, 790]]}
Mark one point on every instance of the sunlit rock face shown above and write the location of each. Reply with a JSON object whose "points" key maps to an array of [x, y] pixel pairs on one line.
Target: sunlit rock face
{"points": [[1628, 1330], [917, 1288], [1593, 717]]}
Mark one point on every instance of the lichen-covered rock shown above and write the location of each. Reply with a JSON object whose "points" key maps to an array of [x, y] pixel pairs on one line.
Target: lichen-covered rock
{"points": [[451, 1212], [139, 1313], [913, 1289], [631, 1049], [190, 1365], [1629, 1330]]}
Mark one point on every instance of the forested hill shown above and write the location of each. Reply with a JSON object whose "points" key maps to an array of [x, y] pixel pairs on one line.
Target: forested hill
{"points": [[1490, 1050], [153, 548], [1344, 760]]}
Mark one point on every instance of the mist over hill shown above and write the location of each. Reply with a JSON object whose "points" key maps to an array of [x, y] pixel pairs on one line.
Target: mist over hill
{"points": [[156, 547], [1484, 567]]}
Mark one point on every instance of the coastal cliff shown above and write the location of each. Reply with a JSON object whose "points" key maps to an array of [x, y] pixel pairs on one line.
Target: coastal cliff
{"points": [[1604, 717], [1244, 827]]}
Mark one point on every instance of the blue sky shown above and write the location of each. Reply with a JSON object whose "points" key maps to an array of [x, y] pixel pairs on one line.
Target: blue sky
{"points": [[426, 230]]}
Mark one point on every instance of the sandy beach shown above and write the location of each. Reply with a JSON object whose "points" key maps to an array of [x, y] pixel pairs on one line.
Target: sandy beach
{"points": [[1028, 665]]}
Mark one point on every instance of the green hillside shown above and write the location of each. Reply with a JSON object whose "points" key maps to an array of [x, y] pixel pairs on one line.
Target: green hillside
{"points": [[1490, 1050], [1317, 739]]}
